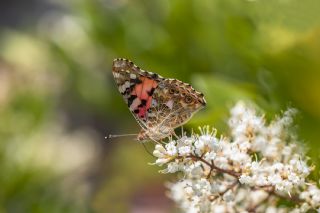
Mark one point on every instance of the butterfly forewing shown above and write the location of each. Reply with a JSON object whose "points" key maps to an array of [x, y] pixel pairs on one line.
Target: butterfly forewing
{"points": [[137, 87]]}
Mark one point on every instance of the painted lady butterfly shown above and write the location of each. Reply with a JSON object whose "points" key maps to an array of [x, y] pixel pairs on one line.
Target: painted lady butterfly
{"points": [[158, 104]]}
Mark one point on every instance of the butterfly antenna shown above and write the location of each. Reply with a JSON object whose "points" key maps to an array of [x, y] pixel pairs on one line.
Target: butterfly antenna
{"points": [[118, 136]]}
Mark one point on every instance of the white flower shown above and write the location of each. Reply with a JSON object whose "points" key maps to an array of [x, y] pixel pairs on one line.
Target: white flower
{"points": [[171, 148], [255, 166], [294, 178], [214, 188], [202, 186], [219, 208], [209, 156], [239, 109], [304, 207], [222, 162], [194, 169], [159, 151], [275, 179], [184, 150], [245, 179], [257, 196], [300, 166], [186, 141], [228, 196], [258, 162], [271, 209], [261, 180], [178, 190], [199, 146], [162, 161], [172, 167]]}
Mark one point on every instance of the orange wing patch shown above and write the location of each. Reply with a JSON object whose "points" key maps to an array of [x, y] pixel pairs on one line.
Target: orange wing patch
{"points": [[143, 92]]}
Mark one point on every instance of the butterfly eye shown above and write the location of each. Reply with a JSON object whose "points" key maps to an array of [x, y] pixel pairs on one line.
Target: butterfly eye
{"points": [[188, 99]]}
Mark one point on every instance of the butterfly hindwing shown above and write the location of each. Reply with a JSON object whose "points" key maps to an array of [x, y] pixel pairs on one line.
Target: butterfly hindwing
{"points": [[176, 103]]}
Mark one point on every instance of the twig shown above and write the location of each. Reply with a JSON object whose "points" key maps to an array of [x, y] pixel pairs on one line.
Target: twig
{"points": [[226, 190], [212, 166], [211, 169]]}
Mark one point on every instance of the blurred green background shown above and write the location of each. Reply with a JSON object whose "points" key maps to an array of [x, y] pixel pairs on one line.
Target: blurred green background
{"points": [[58, 99]]}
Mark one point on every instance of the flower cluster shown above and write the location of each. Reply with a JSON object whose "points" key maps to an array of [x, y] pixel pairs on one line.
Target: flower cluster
{"points": [[253, 170]]}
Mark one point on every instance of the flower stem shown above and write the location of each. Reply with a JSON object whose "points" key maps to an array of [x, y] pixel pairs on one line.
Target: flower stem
{"points": [[214, 167]]}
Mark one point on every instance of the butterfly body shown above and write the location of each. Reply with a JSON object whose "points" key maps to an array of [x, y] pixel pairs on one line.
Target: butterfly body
{"points": [[158, 104]]}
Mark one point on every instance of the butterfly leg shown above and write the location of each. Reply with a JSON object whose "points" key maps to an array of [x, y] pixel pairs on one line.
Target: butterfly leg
{"points": [[175, 135], [182, 132]]}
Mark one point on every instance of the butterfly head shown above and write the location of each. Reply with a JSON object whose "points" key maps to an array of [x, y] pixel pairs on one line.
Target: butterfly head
{"points": [[142, 136]]}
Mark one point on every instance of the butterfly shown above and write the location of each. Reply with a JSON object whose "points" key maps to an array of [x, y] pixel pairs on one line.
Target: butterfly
{"points": [[158, 104]]}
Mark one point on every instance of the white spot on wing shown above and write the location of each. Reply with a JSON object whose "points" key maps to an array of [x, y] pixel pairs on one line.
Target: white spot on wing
{"points": [[121, 90], [170, 104], [154, 103], [118, 63], [152, 115], [133, 76], [126, 84], [136, 102]]}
